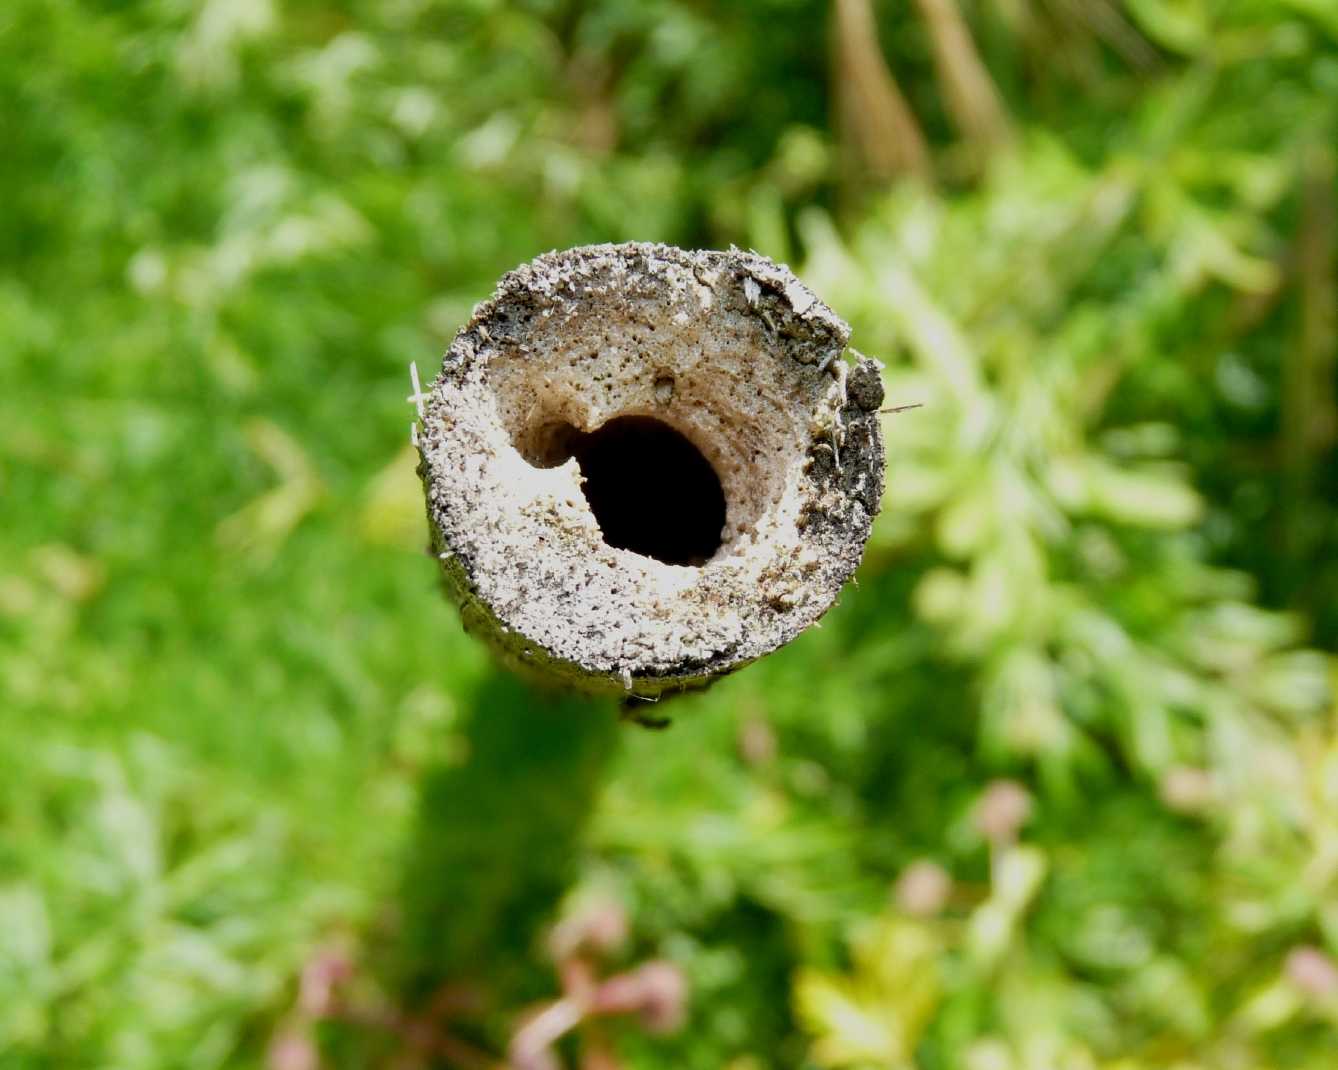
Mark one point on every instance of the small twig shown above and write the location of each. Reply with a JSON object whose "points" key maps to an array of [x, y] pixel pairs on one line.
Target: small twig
{"points": [[417, 397]]}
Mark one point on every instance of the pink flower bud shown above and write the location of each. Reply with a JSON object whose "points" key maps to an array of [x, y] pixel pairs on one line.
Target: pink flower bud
{"points": [[923, 888], [1002, 810], [291, 1050], [1313, 972], [664, 996], [598, 928], [322, 974]]}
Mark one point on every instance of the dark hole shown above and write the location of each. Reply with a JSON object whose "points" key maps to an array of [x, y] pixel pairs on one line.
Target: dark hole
{"points": [[650, 489]]}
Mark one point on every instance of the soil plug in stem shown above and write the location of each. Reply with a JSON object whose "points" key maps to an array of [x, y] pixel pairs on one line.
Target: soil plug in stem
{"points": [[646, 467]]}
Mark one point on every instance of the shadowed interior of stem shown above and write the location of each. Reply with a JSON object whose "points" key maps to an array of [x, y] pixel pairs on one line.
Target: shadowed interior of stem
{"points": [[650, 489]]}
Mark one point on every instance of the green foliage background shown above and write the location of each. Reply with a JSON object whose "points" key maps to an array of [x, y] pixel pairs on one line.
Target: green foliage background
{"points": [[239, 728]]}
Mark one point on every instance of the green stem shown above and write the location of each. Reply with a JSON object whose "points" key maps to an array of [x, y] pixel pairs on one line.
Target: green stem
{"points": [[499, 837]]}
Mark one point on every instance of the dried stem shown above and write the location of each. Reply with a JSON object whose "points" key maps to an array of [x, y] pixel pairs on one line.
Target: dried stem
{"points": [[877, 126], [969, 92]]}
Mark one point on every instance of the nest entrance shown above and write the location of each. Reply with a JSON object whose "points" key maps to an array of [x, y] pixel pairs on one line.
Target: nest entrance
{"points": [[629, 462], [650, 489]]}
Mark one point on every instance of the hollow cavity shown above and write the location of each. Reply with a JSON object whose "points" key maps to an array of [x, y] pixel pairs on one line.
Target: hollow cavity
{"points": [[650, 489]]}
